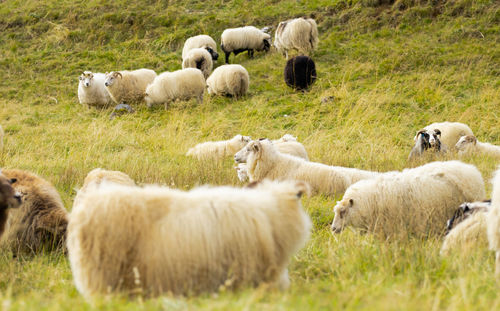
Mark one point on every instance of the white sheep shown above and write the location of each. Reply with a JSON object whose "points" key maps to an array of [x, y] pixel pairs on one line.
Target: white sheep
{"points": [[201, 41], [248, 38], [128, 86], [178, 85], [216, 150], [230, 80], [199, 58], [155, 240], [450, 132], [469, 144], [467, 235], [265, 161], [414, 202], [299, 33], [493, 220], [92, 91]]}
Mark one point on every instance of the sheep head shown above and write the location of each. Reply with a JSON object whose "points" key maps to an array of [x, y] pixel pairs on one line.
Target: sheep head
{"points": [[266, 43], [214, 54], [253, 148], [86, 78], [112, 77], [9, 198], [342, 213]]}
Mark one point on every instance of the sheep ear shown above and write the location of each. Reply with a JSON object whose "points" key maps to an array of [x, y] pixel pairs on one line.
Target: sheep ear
{"points": [[256, 147], [437, 131], [13, 180]]}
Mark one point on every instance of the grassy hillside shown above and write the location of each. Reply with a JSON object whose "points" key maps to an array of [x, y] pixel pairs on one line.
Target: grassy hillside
{"points": [[385, 70]]}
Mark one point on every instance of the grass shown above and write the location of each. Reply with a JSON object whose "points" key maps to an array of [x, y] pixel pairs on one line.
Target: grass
{"points": [[386, 69]]}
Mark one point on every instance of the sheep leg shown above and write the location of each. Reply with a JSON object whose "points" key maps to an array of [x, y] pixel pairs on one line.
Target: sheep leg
{"points": [[250, 53], [227, 57], [200, 99]]}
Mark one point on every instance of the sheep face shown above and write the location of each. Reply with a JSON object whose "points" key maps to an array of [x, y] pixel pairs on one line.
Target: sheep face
{"points": [[251, 149], [86, 78], [111, 78], [465, 143], [428, 140], [342, 213], [9, 198], [214, 54]]}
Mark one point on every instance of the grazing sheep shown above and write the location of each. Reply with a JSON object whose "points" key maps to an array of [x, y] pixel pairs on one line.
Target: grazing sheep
{"points": [[92, 91], [264, 161], [200, 59], [216, 150], [427, 140], [450, 132], [469, 143], [493, 220], [229, 80], [128, 86], [414, 202], [248, 38], [39, 224], [9, 199], [178, 85], [300, 72], [467, 235], [154, 240], [299, 33], [201, 41]]}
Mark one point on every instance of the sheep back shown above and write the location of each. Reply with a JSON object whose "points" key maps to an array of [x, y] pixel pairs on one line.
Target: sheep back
{"points": [[300, 72], [300, 34], [243, 38], [230, 80]]}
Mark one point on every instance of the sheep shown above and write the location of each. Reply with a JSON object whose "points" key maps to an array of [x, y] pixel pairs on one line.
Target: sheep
{"points": [[128, 86], [9, 199], [154, 240], [216, 150], [493, 221], [201, 41], [264, 161], [170, 86], [248, 38], [469, 143], [450, 132], [300, 72], [199, 58], [427, 140], [464, 211], [414, 202], [39, 224], [299, 33], [92, 91], [229, 80]]}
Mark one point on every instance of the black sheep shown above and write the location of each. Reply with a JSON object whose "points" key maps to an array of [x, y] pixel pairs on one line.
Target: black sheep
{"points": [[300, 72]]}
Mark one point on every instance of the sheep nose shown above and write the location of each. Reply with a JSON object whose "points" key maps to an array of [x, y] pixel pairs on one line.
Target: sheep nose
{"points": [[87, 84], [17, 196], [336, 230], [106, 83]]}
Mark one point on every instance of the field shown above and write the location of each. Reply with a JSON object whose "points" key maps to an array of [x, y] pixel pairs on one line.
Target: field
{"points": [[385, 70]]}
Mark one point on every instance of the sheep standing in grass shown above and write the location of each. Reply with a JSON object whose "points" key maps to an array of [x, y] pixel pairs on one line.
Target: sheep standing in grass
{"points": [[300, 72], [217, 150], [229, 80], [201, 41], [9, 199], [248, 38], [155, 240], [470, 144], [493, 221], [414, 202], [265, 161], [427, 140], [178, 85], [450, 132], [92, 91], [200, 59], [128, 86], [299, 33]]}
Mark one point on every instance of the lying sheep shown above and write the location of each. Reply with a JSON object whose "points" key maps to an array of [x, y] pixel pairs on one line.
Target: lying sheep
{"points": [[39, 224], [264, 161], [178, 85], [229, 80], [128, 86], [299, 33], [200, 59], [300, 72], [9, 199], [469, 144], [464, 211], [92, 91], [155, 240], [414, 202], [493, 221], [248, 38], [217, 150], [427, 140], [450, 132], [201, 41]]}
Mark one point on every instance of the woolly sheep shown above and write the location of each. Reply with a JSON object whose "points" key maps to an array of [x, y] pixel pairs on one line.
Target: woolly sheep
{"points": [[128, 86], [414, 202], [153, 240], [299, 33], [469, 143], [92, 91], [264, 161], [232, 80], [493, 221], [170, 86], [427, 140], [9, 199], [248, 38], [300, 72], [450, 132], [201, 41], [200, 59], [218, 149]]}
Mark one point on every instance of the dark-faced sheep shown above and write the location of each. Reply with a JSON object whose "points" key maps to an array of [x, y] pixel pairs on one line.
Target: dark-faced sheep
{"points": [[426, 140], [9, 198], [300, 72]]}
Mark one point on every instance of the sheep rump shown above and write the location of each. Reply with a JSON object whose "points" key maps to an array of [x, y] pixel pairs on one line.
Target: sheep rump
{"points": [[300, 72], [201, 41], [300, 34], [200, 59], [230, 80], [248, 38], [154, 240]]}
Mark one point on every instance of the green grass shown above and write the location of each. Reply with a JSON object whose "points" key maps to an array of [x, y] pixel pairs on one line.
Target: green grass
{"points": [[390, 69]]}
